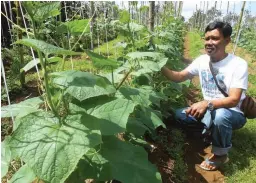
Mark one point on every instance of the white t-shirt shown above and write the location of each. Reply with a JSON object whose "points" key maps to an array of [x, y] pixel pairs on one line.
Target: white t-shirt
{"points": [[232, 72]]}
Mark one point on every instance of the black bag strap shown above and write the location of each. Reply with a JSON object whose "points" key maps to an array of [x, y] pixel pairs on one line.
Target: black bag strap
{"points": [[214, 77]]}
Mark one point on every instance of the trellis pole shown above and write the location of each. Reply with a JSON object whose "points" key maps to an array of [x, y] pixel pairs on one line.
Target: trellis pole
{"points": [[106, 31], [9, 26], [32, 52], [6, 89], [69, 44], [239, 26]]}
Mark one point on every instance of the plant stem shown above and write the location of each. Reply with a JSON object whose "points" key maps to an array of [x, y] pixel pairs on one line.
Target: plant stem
{"points": [[126, 75], [63, 63], [43, 65], [47, 89]]}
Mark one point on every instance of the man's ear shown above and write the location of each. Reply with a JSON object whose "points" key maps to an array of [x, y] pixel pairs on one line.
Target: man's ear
{"points": [[227, 40]]}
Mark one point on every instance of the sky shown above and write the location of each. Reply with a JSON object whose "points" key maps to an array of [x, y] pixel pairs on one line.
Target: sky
{"points": [[190, 5]]}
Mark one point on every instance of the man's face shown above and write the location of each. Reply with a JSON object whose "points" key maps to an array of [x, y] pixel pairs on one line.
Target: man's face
{"points": [[215, 43]]}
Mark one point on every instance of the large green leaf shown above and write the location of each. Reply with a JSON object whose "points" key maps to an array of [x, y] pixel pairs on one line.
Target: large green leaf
{"points": [[118, 74], [144, 96], [108, 115], [45, 47], [124, 16], [148, 66], [24, 174], [6, 156], [136, 126], [21, 109], [52, 150], [75, 27], [119, 160], [164, 47], [139, 55], [39, 11], [135, 27], [150, 118], [83, 85], [36, 61], [101, 62]]}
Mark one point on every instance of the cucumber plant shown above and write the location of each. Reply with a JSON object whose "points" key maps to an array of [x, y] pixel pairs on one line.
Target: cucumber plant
{"points": [[74, 136]]}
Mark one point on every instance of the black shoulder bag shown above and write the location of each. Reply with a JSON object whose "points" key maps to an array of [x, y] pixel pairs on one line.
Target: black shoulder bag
{"points": [[248, 105]]}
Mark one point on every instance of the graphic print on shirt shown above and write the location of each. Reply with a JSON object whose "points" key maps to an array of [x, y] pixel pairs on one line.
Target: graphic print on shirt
{"points": [[208, 84]]}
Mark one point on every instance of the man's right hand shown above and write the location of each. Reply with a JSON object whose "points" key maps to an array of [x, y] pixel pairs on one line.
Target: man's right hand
{"points": [[174, 75]]}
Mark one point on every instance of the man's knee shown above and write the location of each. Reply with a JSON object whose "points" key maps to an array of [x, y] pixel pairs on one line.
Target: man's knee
{"points": [[222, 116], [179, 115]]}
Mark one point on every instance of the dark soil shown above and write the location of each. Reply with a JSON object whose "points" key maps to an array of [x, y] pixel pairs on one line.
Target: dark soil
{"points": [[196, 150], [159, 155]]}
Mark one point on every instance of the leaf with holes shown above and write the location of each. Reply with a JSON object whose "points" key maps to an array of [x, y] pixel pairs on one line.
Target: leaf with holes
{"points": [[52, 150], [82, 85]]}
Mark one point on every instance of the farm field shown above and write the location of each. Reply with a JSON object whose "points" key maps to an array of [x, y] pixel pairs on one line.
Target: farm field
{"points": [[83, 98]]}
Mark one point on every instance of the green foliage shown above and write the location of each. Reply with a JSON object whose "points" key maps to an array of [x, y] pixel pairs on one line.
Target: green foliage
{"points": [[247, 40], [82, 85], [39, 11], [197, 46], [44, 47], [24, 174], [124, 16], [242, 156], [131, 167], [75, 27], [50, 149], [73, 137], [22, 108], [6, 156], [100, 61]]}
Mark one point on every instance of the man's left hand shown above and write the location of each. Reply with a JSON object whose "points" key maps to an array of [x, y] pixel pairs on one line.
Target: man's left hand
{"points": [[197, 110]]}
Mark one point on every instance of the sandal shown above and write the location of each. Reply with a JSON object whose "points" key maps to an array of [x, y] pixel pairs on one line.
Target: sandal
{"points": [[216, 163]]}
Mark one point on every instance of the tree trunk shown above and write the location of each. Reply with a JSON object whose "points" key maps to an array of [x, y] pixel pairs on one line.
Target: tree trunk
{"points": [[151, 18], [151, 15], [227, 7], [215, 7], [175, 9], [19, 36], [205, 21], [180, 8]]}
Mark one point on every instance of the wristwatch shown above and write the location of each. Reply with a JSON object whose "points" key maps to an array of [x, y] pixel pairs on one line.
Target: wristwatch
{"points": [[210, 106]]}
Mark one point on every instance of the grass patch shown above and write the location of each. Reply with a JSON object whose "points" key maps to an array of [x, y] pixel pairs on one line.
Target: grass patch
{"points": [[196, 44], [109, 49], [177, 152], [242, 166]]}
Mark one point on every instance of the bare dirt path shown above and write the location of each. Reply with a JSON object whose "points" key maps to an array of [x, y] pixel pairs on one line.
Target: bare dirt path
{"points": [[195, 150]]}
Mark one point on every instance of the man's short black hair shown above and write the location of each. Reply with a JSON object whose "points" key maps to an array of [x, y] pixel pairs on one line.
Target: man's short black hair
{"points": [[224, 27]]}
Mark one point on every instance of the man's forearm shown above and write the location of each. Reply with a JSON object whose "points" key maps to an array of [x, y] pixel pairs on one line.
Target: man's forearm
{"points": [[227, 102], [232, 100], [173, 75]]}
